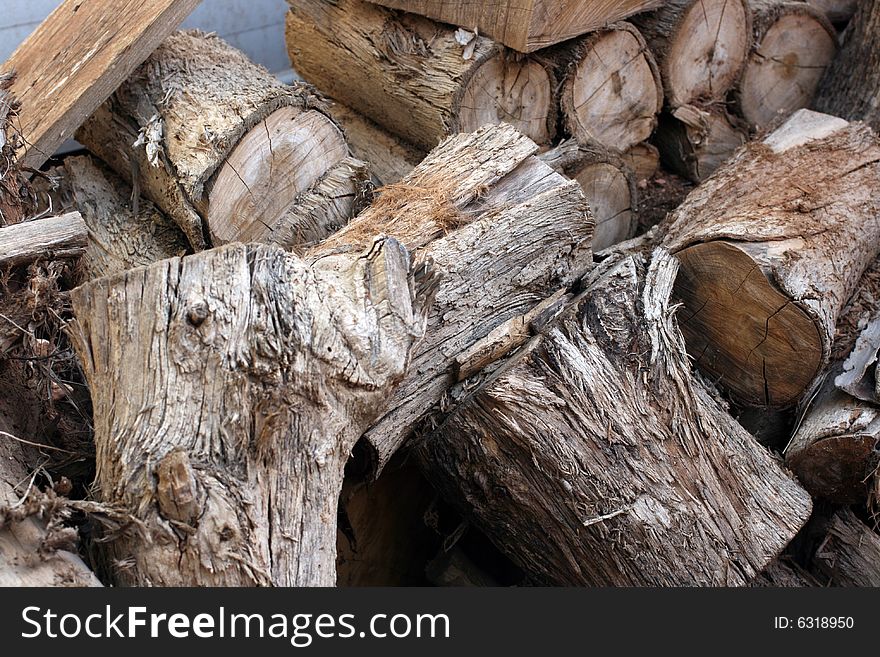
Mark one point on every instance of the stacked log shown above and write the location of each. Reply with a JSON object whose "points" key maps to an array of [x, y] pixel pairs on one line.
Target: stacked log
{"points": [[229, 156]]}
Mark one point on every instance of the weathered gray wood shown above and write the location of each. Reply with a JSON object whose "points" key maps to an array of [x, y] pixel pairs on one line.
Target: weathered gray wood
{"points": [[62, 237], [593, 456]]}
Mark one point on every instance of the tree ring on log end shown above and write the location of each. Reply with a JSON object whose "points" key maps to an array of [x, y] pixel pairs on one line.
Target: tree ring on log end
{"points": [[614, 92], [277, 160], [707, 51], [504, 90], [783, 72], [608, 192], [741, 330]]}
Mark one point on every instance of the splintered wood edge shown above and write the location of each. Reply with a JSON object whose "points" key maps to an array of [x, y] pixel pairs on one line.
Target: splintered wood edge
{"points": [[277, 160], [707, 51], [783, 71], [741, 330], [509, 90]]}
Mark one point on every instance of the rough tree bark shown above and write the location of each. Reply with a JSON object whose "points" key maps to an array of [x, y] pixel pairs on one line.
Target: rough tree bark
{"points": [[611, 90], [507, 229], [694, 142], [608, 183], [700, 46], [593, 456], [526, 26], [850, 553], [794, 44], [772, 246], [229, 388], [229, 154], [416, 78], [848, 95]]}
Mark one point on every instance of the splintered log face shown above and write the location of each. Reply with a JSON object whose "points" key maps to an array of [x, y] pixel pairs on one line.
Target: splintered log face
{"points": [[613, 93], [784, 69], [510, 91], [281, 158], [610, 194], [772, 246], [738, 323], [229, 388]]}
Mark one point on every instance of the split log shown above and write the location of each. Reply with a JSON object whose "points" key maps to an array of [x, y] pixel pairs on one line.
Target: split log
{"points": [[416, 78], [388, 157], [508, 229], [592, 456], [230, 154], [75, 59], [229, 388], [526, 26], [608, 183], [700, 46], [124, 231], [794, 44], [643, 159], [838, 11], [611, 90], [28, 545], [63, 238], [772, 246], [694, 142], [851, 84], [850, 553]]}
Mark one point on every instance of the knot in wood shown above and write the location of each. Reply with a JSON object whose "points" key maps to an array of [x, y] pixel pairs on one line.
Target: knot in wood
{"points": [[176, 492], [197, 313]]}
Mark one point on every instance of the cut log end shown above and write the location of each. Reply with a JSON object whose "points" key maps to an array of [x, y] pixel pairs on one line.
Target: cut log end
{"points": [[741, 329], [610, 194], [785, 68], [276, 161]]}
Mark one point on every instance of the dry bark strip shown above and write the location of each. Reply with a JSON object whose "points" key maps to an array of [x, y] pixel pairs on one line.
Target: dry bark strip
{"points": [[772, 246], [507, 230], [230, 154], [850, 553], [611, 90], [75, 59], [700, 46], [593, 456], [526, 26], [229, 388], [794, 44], [414, 77], [851, 83]]}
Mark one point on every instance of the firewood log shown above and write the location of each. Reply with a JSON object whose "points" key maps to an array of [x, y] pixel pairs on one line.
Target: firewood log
{"points": [[63, 237], [416, 78], [700, 46], [507, 229], [526, 26], [794, 44], [850, 553], [228, 152], [851, 83], [608, 183], [611, 90], [772, 246], [694, 142], [593, 456], [643, 159]]}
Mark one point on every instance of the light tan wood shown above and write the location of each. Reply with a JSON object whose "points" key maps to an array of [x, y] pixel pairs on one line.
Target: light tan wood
{"points": [[77, 57], [611, 91], [700, 46], [527, 26], [61, 237], [643, 159], [414, 77], [228, 153], [772, 246], [794, 44]]}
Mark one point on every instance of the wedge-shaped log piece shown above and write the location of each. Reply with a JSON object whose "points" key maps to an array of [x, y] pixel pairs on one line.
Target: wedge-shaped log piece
{"points": [[223, 148], [416, 78], [594, 456], [229, 388], [772, 246]]}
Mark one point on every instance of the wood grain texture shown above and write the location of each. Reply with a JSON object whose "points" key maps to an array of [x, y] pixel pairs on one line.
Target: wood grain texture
{"points": [[77, 57], [413, 76], [593, 456], [63, 237], [850, 553], [527, 26], [772, 246]]}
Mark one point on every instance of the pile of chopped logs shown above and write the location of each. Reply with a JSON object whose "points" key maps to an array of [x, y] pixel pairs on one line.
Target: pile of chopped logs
{"points": [[497, 294]]}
